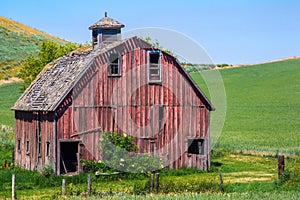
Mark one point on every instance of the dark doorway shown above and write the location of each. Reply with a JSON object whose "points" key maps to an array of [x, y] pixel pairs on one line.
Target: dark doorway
{"points": [[68, 157]]}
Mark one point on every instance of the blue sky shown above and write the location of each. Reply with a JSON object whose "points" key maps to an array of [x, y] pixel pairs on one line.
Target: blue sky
{"points": [[231, 31]]}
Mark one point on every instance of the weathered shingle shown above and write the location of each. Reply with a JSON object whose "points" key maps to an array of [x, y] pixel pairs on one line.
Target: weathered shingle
{"points": [[105, 23], [60, 76]]}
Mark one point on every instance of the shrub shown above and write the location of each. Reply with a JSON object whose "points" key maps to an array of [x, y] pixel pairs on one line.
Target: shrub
{"points": [[6, 77], [47, 170], [73, 190], [117, 155]]}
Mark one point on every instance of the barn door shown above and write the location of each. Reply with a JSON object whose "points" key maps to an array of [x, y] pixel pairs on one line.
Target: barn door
{"points": [[69, 160]]}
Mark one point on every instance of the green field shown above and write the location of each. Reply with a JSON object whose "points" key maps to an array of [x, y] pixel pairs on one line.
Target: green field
{"points": [[263, 106], [9, 93]]}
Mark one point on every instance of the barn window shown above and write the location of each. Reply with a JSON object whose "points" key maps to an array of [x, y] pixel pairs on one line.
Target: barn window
{"points": [[196, 146], [47, 148], [114, 68], [154, 66], [27, 146], [19, 144]]}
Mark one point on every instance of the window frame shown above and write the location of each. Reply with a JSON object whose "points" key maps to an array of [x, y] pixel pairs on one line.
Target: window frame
{"points": [[154, 66], [112, 58], [194, 147]]}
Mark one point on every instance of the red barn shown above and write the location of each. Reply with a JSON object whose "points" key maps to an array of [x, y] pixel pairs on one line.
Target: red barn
{"points": [[126, 86]]}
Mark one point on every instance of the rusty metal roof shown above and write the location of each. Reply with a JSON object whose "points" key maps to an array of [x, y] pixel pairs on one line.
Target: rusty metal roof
{"points": [[106, 23]]}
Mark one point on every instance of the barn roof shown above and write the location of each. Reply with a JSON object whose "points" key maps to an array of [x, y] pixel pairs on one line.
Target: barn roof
{"points": [[59, 77], [107, 22]]}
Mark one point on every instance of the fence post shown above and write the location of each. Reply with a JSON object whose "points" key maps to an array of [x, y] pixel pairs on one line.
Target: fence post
{"points": [[280, 165], [89, 184], [157, 182], [221, 176], [13, 193], [63, 187], [152, 182]]}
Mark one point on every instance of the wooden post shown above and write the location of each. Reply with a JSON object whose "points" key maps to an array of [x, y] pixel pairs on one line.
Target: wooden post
{"points": [[63, 187], [13, 193], [280, 165], [152, 182], [89, 184], [221, 176], [13, 157], [157, 182]]}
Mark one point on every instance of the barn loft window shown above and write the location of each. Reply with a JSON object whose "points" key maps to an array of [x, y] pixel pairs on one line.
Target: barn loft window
{"points": [[154, 66], [196, 146], [114, 68], [19, 144], [47, 148]]}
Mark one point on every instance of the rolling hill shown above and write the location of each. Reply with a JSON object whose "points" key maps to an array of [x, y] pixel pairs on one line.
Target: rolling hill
{"points": [[262, 107], [17, 42]]}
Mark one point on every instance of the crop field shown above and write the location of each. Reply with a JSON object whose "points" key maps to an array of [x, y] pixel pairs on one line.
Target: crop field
{"points": [[262, 107]]}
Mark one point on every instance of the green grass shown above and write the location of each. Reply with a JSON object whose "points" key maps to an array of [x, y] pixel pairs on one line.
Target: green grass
{"points": [[207, 196], [9, 93], [245, 175], [262, 107]]}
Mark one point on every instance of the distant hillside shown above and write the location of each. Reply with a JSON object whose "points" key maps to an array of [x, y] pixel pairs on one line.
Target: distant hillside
{"points": [[262, 106], [18, 41]]}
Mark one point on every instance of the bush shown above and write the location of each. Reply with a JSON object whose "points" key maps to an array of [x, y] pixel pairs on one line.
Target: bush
{"points": [[6, 138], [47, 171], [6, 77], [117, 155]]}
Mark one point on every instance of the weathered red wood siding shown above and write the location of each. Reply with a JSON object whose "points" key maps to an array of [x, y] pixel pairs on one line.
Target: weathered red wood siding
{"points": [[123, 104], [26, 130]]}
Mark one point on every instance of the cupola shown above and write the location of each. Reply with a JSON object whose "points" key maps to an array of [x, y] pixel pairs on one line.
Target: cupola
{"points": [[106, 30]]}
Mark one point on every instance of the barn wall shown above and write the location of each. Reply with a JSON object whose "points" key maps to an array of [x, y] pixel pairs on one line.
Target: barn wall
{"points": [[27, 127], [127, 104]]}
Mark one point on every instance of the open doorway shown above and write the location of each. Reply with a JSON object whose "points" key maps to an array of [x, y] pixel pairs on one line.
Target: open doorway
{"points": [[68, 156]]}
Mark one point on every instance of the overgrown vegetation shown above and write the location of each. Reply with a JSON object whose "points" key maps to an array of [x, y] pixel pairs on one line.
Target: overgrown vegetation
{"points": [[118, 154], [17, 43], [33, 65], [242, 175], [6, 145]]}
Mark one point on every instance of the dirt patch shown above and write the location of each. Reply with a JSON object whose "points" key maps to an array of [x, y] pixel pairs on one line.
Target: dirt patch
{"points": [[11, 80], [247, 176]]}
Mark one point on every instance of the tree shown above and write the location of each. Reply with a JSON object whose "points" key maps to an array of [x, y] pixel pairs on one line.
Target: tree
{"points": [[33, 65]]}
